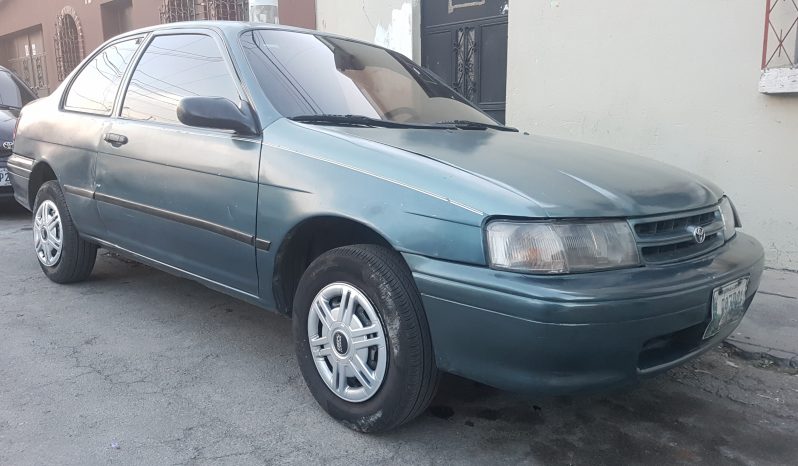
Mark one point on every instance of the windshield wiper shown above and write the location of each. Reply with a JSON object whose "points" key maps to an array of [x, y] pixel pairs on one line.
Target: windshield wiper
{"points": [[363, 121], [467, 124], [8, 107]]}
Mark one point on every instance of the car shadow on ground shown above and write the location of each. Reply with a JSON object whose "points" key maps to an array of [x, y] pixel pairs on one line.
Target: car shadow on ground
{"points": [[660, 421], [11, 210]]}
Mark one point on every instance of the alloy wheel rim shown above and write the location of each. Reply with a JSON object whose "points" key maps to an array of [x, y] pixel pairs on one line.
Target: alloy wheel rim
{"points": [[48, 234], [347, 342]]}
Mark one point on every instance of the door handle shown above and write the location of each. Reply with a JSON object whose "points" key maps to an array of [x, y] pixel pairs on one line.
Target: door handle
{"points": [[115, 140]]}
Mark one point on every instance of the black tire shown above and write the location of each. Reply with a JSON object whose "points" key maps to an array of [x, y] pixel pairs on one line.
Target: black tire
{"points": [[411, 378], [77, 255]]}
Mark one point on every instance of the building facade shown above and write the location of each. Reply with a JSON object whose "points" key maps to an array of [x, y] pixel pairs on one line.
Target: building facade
{"points": [[43, 40], [689, 83]]}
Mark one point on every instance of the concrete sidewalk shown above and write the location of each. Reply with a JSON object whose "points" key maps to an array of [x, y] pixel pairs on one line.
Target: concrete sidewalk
{"points": [[770, 328]]}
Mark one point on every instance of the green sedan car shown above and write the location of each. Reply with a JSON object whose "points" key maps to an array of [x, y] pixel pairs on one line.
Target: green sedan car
{"points": [[404, 231]]}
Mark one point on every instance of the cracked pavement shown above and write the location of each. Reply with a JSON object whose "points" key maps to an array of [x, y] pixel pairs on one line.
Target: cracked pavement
{"points": [[138, 367]]}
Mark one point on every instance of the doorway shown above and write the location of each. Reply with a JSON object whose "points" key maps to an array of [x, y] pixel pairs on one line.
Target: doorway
{"points": [[117, 17], [24, 55], [464, 42]]}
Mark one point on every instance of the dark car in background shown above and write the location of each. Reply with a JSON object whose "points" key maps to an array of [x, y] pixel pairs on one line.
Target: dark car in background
{"points": [[14, 94]]}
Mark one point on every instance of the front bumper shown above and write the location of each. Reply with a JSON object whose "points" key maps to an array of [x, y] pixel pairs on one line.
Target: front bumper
{"points": [[20, 168], [6, 192], [581, 332]]}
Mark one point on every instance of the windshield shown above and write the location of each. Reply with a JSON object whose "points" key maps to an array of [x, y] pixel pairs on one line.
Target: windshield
{"points": [[12, 93], [307, 74]]}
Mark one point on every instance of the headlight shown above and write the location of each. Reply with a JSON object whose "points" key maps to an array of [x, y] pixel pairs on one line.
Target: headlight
{"points": [[561, 247], [729, 218]]}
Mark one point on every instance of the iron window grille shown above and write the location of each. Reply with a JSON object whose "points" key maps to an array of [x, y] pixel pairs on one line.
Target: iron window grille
{"points": [[197, 10], [68, 44], [465, 54], [32, 70], [780, 45]]}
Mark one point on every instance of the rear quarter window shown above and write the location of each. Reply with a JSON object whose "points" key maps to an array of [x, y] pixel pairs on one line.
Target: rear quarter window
{"points": [[94, 89]]}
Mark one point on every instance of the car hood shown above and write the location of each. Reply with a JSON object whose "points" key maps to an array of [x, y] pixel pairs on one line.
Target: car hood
{"points": [[8, 119], [563, 178]]}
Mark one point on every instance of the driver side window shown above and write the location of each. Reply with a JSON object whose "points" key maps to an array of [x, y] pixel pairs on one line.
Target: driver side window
{"points": [[173, 67]]}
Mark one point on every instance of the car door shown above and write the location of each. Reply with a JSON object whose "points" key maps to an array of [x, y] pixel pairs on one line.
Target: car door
{"points": [[68, 140], [183, 196]]}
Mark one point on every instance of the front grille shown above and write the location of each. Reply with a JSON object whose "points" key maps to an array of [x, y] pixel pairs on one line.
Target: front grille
{"points": [[674, 224], [676, 251], [669, 238]]}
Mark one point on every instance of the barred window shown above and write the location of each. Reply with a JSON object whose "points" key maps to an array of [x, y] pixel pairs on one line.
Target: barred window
{"points": [[68, 44], [196, 10], [780, 48], [173, 11], [228, 10]]}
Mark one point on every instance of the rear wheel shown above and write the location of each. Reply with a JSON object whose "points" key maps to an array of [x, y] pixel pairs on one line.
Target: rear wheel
{"points": [[362, 338], [63, 256]]}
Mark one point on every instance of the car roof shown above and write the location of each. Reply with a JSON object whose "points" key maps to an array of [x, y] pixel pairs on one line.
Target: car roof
{"points": [[17, 79], [232, 28]]}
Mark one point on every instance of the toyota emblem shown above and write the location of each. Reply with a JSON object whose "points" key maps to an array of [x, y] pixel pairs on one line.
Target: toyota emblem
{"points": [[699, 234]]}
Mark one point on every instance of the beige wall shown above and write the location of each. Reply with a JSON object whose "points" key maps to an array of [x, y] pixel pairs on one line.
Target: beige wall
{"points": [[300, 13], [391, 23], [672, 80]]}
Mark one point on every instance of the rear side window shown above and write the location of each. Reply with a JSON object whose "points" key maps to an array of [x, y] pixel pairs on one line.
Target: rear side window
{"points": [[174, 67], [94, 90], [12, 92]]}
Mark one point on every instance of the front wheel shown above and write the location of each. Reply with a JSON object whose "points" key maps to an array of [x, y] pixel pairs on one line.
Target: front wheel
{"points": [[362, 338], [63, 255]]}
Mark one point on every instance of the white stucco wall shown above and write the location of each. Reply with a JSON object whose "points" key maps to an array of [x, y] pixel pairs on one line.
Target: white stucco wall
{"points": [[672, 80], [391, 23]]}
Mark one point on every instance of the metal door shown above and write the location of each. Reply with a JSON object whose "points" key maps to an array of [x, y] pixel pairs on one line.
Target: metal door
{"points": [[465, 43]]}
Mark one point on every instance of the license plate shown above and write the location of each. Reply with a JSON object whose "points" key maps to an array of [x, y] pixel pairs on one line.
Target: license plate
{"points": [[728, 305], [5, 179]]}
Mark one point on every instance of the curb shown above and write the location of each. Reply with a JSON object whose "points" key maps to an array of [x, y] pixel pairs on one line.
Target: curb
{"points": [[751, 351]]}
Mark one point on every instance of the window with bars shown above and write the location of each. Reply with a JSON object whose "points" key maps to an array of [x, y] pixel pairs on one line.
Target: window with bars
{"points": [[213, 10], [780, 47], [68, 44]]}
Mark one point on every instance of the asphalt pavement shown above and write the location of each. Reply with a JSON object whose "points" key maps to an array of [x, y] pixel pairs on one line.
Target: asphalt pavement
{"points": [[135, 366]]}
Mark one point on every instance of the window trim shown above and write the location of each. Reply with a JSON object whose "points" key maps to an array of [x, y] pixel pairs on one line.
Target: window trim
{"points": [[82, 66], [221, 45]]}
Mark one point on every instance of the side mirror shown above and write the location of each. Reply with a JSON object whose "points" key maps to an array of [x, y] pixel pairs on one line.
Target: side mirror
{"points": [[216, 113]]}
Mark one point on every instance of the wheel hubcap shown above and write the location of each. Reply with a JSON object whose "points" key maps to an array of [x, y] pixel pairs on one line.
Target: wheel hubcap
{"points": [[347, 342], [340, 343], [47, 233]]}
